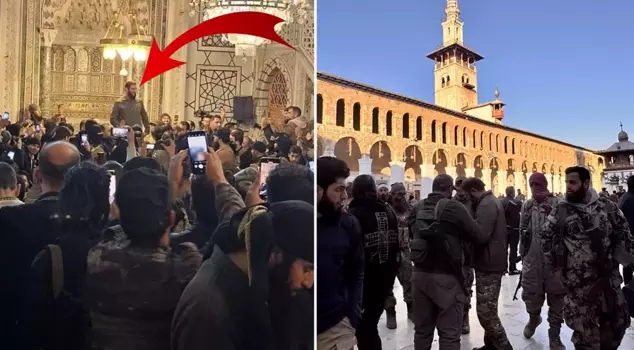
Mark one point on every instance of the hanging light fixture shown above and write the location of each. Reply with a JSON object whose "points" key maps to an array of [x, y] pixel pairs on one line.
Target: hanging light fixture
{"points": [[117, 41], [291, 11]]}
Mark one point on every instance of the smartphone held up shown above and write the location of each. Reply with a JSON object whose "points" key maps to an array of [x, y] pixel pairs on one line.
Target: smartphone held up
{"points": [[197, 144]]}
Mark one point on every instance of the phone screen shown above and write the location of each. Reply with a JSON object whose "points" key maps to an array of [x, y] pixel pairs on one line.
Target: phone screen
{"points": [[266, 166], [113, 187], [197, 142], [11, 154], [84, 139], [37, 127], [311, 165], [119, 132], [5, 116], [150, 146]]}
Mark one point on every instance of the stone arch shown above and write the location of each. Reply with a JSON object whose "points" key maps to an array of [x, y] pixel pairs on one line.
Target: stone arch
{"points": [[389, 125], [494, 165], [340, 113], [461, 164], [381, 155], [478, 165], [535, 167], [434, 131], [376, 120], [273, 66], [348, 149], [441, 161], [510, 172], [524, 176], [70, 60], [419, 128], [465, 137], [413, 160], [544, 169]]}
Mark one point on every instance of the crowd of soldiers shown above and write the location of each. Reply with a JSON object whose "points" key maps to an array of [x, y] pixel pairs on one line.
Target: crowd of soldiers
{"points": [[570, 247]]}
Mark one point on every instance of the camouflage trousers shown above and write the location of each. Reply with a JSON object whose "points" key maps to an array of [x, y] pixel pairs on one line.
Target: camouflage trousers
{"points": [[404, 276], [594, 326], [469, 277], [488, 287]]}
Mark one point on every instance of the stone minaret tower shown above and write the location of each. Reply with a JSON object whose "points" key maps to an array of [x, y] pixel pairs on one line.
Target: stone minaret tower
{"points": [[455, 74]]}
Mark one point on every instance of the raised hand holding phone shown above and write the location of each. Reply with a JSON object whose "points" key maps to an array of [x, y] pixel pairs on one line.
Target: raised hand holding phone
{"points": [[214, 171]]}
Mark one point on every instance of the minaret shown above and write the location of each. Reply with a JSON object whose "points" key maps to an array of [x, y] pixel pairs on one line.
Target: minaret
{"points": [[452, 26], [455, 72]]}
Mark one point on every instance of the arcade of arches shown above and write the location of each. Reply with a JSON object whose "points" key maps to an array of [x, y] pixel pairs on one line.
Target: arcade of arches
{"points": [[391, 136]]}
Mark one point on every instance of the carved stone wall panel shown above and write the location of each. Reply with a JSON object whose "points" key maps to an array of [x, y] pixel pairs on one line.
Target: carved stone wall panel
{"points": [[108, 66], [58, 82], [95, 84], [69, 60], [106, 84], [82, 60], [82, 83], [58, 58], [217, 85], [69, 83], [95, 59], [11, 54]]}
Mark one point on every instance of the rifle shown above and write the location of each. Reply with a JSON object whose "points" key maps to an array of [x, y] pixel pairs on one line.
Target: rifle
{"points": [[519, 285]]}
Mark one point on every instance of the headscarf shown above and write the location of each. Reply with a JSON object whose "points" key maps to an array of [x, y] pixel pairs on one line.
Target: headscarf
{"points": [[540, 189]]}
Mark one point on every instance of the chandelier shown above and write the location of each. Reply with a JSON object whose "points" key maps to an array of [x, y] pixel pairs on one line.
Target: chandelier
{"points": [[291, 11], [117, 41]]}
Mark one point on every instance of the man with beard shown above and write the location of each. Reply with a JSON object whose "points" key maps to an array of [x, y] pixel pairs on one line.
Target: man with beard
{"points": [[489, 262], [537, 283], [383, 192], [583, 240], [244, 297], [467, 271], [379, 227], [398, 202], [340, 255], [440, 227], [512, 210], [129, 111]]}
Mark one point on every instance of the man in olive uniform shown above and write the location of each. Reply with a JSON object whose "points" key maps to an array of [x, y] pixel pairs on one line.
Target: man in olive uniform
{"points": [[129, 111], [583, 240]]}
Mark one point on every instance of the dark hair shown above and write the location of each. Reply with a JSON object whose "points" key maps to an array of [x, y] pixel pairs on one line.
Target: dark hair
{"points": [[129, 83], [472, 183], [295, 109], [630, 184], [141, 162], [584, 174], [283, 144], [185, 125], [223, 135], [238, 135], [295, 149], [23, 181], [83, 201], [290, 181], [364, 187], [61, 133], [329, 169], [54, 173], [510, 191], [143, 200], [192, 124], [215, 116], [69, 126], [14, 129], [90, 123], [8, 178]]}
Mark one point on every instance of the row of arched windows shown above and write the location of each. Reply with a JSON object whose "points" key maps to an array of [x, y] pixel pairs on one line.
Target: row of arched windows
{"points": [[440, 133]]}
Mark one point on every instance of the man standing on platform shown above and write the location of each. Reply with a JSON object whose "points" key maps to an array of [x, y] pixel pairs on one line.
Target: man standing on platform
{"points": [[129, 111]]}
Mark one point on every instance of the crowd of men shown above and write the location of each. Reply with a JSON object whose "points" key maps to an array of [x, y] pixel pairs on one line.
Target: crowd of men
{"points": [[570, 249], [120, 246]]}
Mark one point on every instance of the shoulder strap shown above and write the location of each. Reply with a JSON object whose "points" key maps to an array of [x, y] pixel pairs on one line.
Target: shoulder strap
{"points": [[57, 269]]}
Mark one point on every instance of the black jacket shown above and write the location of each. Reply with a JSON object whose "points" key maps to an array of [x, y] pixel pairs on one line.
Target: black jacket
{"points": [[340, 272], [25, 231]]}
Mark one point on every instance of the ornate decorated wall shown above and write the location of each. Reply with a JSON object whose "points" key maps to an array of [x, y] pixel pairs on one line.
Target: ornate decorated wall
{"points": [[51, 56], [276, 77]]}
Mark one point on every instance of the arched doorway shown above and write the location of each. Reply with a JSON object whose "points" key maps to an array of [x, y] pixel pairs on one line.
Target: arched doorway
{"points": [[381, 157], [495, 166], [413, 161], [347, 149], [461, 164], [278, 99], [440, 162], [478, 165]]}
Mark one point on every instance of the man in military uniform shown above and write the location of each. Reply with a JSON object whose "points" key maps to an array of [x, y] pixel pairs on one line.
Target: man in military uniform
{"points": [[583, 240], [129, 111], [399, 203], [467, 271], [539, 284]]}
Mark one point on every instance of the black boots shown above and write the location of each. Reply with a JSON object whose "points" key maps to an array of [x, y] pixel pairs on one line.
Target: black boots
{"points": [[532, 325], [466, 329], [390, 322], [554, 340]]}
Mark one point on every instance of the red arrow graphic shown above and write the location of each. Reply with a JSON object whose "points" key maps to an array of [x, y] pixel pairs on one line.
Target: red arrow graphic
{"points": [[249, 23]]}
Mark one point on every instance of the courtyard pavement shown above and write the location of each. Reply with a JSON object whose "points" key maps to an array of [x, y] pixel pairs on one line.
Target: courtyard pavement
{"points": [[512, 313]]}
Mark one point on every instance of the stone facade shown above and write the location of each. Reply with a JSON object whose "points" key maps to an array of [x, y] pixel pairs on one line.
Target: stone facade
{"points": [[403, 139]]}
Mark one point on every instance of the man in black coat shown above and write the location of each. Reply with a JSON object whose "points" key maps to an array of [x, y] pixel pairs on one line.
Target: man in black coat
{"points": [[27, 229]]}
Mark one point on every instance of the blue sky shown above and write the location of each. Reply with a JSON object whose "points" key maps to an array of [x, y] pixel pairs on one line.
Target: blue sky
{"points": [[565, 68]]}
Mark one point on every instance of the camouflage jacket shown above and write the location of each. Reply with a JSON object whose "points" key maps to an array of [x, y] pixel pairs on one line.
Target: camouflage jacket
{"points": [[570, 240], [403, 235], [131, 112]]}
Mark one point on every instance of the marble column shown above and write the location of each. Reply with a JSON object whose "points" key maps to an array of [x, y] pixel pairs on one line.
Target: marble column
{"points": [[451, 171], [139, 68], [486, 178], [469, 172], [46, 68], [426, 179], [502, 182], [365, 165], [397, 171]]}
